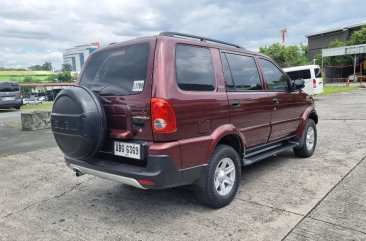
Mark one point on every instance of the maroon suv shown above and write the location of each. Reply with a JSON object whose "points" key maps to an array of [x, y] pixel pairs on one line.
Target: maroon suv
{"points": [[178, 109]]}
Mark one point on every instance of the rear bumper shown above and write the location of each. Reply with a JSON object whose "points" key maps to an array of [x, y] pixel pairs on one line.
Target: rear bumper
{"points": [[159, 172], [9, 104]]}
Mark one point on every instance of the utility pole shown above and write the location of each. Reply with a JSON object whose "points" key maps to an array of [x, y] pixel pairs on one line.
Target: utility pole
{"points": [[283, 35]]}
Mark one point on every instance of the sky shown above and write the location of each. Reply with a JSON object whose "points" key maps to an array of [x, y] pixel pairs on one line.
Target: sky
{"points": [[32, 32]]}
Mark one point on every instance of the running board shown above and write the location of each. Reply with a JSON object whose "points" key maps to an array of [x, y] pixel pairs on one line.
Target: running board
{"points": [[255, 156]]}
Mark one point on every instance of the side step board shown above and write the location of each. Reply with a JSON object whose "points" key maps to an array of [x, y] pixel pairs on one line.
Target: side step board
{"points": [[272, 150]]}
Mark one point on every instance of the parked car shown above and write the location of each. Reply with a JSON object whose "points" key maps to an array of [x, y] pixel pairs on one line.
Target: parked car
{"points": [[32, 101], [42, 98], [356, 77], [178, 109], [10, 95], [312, 76]]}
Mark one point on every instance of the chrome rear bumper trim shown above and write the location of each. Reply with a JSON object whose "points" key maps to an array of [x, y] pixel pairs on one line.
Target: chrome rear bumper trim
{"points": [[113, 177]]}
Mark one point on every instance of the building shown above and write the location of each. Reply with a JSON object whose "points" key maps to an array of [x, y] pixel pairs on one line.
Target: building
{"points": [[321, 40], [77, 56]]}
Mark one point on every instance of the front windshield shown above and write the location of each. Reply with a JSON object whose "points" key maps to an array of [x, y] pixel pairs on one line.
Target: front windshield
{"points": [[118, 71]]}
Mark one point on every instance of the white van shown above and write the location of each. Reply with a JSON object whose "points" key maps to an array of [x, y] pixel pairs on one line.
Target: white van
{"points": [[312, 76]]}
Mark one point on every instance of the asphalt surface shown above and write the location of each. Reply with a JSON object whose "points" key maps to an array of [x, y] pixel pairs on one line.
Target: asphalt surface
{"points": [[14, 140], [281, 198]]}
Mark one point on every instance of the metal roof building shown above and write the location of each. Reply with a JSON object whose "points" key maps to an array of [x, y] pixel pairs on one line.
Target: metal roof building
{"points": [[321, 40]]}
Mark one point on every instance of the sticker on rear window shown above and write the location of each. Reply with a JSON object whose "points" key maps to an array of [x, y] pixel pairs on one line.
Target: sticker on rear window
{"points": [[138, 85]]}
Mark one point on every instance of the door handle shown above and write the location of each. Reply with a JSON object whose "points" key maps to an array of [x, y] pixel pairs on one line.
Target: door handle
{"points": [[235, 103], [276, 101]]}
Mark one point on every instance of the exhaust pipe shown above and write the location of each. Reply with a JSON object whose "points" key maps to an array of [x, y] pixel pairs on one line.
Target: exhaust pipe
{"points": [[78, 172]]}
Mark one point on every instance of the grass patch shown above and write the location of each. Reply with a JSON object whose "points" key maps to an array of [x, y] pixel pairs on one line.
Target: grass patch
{"points": [[19, 78], [47, 105], [337, 89], [37, 76]]}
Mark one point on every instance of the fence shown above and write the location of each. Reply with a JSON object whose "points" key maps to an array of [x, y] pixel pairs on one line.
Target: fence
{"points": [[341, 75]]}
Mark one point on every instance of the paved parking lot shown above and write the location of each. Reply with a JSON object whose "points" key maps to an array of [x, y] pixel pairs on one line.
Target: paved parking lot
{"points": [[13, 140], [281, 198]]}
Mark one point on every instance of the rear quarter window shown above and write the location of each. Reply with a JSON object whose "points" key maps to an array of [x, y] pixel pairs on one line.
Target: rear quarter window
{"points": [[194, 68]]}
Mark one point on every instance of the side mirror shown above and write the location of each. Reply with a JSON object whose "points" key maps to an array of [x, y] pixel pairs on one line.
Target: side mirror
{"points": [[298, 84]]}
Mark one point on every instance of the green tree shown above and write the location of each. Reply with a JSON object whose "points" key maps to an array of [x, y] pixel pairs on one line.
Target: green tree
{"points": [[65, 77], [52, 78], [35, 67], [358, 37], [337, 60], [286, 56], [66, 67], [47, 66], [27, 79]]}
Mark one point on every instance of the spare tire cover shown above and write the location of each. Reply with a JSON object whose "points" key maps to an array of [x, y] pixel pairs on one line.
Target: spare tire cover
{"points": [[78, 122]]}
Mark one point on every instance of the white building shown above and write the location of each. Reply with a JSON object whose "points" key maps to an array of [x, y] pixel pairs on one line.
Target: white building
{"points": [[77, 56]]}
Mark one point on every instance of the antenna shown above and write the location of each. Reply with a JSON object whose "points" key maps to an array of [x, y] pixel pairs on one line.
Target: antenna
{"points": [[283, 35]]}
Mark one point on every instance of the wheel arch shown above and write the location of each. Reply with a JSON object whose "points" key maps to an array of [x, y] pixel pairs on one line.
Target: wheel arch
{"points": [[309, 113], [234, 141], [227, 135]]}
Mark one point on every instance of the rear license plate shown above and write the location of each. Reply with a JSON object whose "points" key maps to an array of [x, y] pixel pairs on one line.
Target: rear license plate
{"points": [[130, 150], [8, 98]]}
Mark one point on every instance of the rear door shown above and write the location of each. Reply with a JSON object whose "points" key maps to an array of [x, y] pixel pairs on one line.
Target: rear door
{"points": [[286, 115], [250, 106], [122, 74], [318, 80]]}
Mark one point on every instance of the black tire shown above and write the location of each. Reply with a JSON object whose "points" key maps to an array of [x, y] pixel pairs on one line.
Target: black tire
{"points": [[17, 107], [307, 149], [208, 193]]}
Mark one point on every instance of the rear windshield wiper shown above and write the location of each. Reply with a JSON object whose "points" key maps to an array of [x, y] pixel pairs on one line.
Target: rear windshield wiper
{"points": [[101, 97]]}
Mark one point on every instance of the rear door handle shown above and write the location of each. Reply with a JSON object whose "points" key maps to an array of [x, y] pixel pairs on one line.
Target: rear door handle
{"points": [[235, 103], [276, 101]]}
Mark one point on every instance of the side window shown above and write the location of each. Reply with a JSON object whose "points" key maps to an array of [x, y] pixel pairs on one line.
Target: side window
{"points": [[299, 74], [275, 78], [195, 71], [243, 71]]}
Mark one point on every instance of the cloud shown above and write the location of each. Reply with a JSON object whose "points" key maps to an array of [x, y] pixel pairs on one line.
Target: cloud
{"points": [[24, 57], [33, 32]]}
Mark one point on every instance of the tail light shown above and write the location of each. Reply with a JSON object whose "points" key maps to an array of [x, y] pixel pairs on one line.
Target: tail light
{"points": [[314, 83], [163, 116]]}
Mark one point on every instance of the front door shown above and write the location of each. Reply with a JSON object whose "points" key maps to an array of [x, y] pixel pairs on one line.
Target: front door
{"points": [[286, 115]]}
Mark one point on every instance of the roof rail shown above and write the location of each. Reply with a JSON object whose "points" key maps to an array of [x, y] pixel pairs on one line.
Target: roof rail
{"points": [[175, 34]]}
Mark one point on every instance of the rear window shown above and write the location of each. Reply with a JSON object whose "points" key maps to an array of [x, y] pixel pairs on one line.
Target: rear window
{"points": [[9, 87], [318, 73], [299, 74], [194, 68], [118, 71]]}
